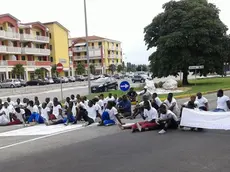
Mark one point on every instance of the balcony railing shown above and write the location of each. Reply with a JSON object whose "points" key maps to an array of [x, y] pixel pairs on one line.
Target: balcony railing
{"points": [[31, 37], [14, 50], [79, 49], [70, 53], [12, 35], [3, 49], [36, 51], [111, 56], [25, 63]]}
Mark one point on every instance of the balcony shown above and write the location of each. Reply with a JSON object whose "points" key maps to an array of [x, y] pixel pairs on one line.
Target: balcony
{"points": [[80, 58], [3, 49], [70, 54], [25, 63], [111, 56], [36, 51], [9, 35], [33, 38], [14, 50], [112, 48], [79, 49]]}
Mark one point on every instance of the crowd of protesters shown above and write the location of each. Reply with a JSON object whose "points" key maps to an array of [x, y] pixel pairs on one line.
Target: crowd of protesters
{"points": [[108, 110]]}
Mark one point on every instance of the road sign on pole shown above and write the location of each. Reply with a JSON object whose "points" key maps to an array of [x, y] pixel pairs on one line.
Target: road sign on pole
{"points": [[195, 68], [59, 69], [124, 86]]}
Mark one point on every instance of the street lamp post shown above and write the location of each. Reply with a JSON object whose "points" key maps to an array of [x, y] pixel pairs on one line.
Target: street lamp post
{"points": [[87, 46]]}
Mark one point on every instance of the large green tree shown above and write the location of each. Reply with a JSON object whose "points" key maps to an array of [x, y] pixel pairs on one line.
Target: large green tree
{"points": [[112, 68], [120, 68], [54, 70], [142, 68], [80, 69], [188, 32], [18, 70], [92, 69], [39, 73]]}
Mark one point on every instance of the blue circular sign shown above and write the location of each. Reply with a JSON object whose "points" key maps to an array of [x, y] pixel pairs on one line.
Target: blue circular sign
{"points": [[124, 86]]}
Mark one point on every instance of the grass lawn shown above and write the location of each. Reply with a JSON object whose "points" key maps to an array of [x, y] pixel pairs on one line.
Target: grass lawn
{"points": [[205, 86]]}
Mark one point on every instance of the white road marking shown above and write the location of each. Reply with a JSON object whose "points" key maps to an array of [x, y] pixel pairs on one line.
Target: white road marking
{"points": [[42, 137]]}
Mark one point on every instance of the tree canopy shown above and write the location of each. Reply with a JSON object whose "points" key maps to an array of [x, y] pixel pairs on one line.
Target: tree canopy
{"points": [[120, 68], [187, 33], [18, 70], [142, 68], [80, 69], [112, 68]]}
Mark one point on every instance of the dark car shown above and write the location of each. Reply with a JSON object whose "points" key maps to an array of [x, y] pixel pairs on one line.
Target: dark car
{"points": [[138, 78], [36, 82], [117, 76], [57, 80], [23, 83], [104, 84], [79, 78]]}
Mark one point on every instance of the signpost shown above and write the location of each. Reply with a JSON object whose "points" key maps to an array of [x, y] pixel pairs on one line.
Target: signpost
{"points": [[124, 86], [195, 68], [59, 69]]}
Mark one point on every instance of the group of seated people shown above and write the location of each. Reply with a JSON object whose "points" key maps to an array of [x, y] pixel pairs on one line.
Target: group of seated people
{"points": [[109, 110]]}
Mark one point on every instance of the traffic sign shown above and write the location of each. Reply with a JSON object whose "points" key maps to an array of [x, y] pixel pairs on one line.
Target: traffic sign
{"points": [[195, 67], [59, 67], [124, 86]]}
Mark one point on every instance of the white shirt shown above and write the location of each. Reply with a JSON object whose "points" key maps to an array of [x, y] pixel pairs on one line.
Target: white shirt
{"points": [[158, 101], [150, 114], [222, 102], [168, 115], [50, 105], [3, 118], [101, 103], [112, 113], [110, 99], [92, 112], [44, 113], [195, 103], [82, 105], [56, 111], [11, 103], [66, 104], [142, 103], [35, 109], [6, 112], [98, 108], [201, 102], [10, 108], [176, 109], [19, 115]]}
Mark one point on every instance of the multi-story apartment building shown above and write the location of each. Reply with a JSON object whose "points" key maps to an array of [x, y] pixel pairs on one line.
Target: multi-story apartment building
{"points": [[102, 52], [26, 44], [59, 45]]}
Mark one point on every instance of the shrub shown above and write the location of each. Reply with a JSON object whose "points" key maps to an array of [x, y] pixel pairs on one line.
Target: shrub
{"points": [[160, 84], [179, 83], [156, 85]]}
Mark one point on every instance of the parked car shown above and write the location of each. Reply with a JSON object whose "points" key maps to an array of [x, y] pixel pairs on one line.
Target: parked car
{"points": [[23, 83], [10, 83], [104, 84], [36, 82], [64, 79], [117, 76], [138, 78], [79, 78], [71, 79], [57, 80]]}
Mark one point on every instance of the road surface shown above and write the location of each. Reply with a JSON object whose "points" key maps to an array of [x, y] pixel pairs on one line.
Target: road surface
{"points": [[103, 149]]}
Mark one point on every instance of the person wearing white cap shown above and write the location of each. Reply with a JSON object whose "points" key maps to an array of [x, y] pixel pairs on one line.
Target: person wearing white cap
{"points": [[145, 92]]}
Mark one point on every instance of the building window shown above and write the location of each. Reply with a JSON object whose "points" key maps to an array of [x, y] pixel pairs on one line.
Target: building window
{"points": [[51, 59], [37, 33], [117, 53], [85, 61], [99, 43], [39, 59], [117, 60], [1, 28], [4, 57], [78, 54], [21, 31], [85, 53], [37, 46], [93, 61], [51, 47], [116, 45], [92, 44], [100, 61], [3, 43], [15, 44], [23, 58], [108, 52], [50, 35]]}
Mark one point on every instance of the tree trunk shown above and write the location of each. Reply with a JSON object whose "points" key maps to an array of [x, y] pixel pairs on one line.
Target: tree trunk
{"points": [[185, 78]]}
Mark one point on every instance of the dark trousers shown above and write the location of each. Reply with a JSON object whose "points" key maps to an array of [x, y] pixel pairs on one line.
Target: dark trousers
{"points": [[84, 115], [169, 124]]}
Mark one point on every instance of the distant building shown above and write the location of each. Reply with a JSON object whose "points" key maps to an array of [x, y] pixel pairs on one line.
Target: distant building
{"points": [[102, 52]]}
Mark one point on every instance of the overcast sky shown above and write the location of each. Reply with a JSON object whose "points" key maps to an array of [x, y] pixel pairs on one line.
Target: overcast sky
{"points": [[121, 20]]}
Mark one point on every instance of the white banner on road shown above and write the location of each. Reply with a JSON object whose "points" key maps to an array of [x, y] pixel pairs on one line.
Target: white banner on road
{"points": [[206, 120]]}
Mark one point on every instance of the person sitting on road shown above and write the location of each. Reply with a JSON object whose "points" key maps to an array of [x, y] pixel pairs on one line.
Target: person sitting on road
{"points": [[78, 96], [146, 93], [156, 101], [18, 103], [110, 115], [172, 104], [10, 102], [49, 103], [56, 116], [139, 109], [36, 101], [115, 98], [45, 112], [150, 115], [202, 102], [98, 107], [73, 99], [102, 102], [132, 95], [81, 109], [124, 107], [223, 102], [167, 120], [109, 98], [67, 102], [92, 113], [35, 117], [86, 101], [18, 117], [4, 120], [71, 118], [25, 102]]}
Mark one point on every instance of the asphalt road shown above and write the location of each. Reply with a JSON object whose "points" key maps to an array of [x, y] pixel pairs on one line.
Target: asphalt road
{"points": [[103, 149]]}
